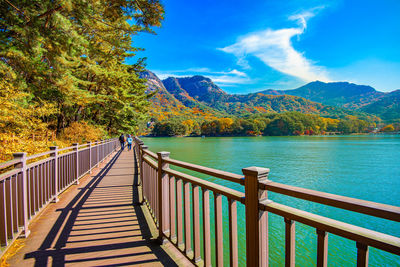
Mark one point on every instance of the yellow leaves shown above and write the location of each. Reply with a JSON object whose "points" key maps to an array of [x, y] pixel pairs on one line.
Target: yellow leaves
{"points": [[81, 132], [388, 128]]}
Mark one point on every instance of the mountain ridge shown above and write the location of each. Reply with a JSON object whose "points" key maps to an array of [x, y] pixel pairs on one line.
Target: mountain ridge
{"points": [[336, 99]]}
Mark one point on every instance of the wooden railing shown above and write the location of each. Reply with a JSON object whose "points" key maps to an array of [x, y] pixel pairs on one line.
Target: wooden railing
{"points": [[173, 199], [31, 182]]}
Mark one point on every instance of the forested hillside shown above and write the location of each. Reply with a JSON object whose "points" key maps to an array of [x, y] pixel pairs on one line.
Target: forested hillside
{"points": [[197, 106], [63, 72]]}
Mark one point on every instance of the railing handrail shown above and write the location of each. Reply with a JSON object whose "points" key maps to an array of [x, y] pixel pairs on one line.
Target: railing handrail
{"points": [[220, 189], [151, 154], [9, 163], [6, 164], [27, 186], [347, 203], [209, 171], [257, 205], [359, 234]]}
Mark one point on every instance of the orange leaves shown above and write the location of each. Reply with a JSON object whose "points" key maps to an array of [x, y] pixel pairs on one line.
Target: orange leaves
{"points": [[81, 132]]}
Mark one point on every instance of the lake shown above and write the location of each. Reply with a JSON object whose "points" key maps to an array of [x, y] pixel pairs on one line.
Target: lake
{"points": [[365, 167]]}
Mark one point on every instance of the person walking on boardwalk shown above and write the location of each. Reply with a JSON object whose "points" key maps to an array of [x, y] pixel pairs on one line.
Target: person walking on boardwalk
{"points": [[129, 140], [122, 141]]}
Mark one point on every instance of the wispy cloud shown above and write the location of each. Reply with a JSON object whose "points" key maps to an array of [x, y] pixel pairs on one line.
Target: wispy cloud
{"points": [[275, 49], [228, 77]]}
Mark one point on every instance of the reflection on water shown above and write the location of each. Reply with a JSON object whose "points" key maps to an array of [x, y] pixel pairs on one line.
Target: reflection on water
{"points": [[365, 167]]}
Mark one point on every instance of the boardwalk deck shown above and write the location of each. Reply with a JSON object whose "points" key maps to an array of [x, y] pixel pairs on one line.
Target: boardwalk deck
{"points": [[96, 223]]}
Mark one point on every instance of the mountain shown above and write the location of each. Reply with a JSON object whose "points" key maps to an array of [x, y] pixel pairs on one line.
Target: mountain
{"points": [[162, 98], [201, 95], [342, 94], [165, 105], [388, 107]]}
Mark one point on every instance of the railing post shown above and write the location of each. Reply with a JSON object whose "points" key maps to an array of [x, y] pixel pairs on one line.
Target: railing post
{"points": [[142, 147], [76, 149], [97, 153], [163, 196], [22, 165], [55, 172], [90, 156], [256, 222]]}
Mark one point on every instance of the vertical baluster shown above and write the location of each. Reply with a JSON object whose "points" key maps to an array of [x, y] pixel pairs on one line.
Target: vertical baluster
{"points": [[140, 156], [20, 190], [162, 196], [362, 255], [172, 208], [48, 179], [152, 189], [186, 199], [98, 155], [41, 181], [31, 192], [179, 211], [206, 228], [322, 248], [9, 216], [233, 238], [76, 165], [144, 185], [51, 179], [54, 155], [3, 217], [90, 157], [67, 171], [150, 183], [15, 205], [290, 252], [155, 194], [37, 186], [196, 224], [219, 239]]}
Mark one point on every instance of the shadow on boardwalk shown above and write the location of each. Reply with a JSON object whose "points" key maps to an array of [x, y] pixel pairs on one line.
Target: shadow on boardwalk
{"points": [[101, 225]]}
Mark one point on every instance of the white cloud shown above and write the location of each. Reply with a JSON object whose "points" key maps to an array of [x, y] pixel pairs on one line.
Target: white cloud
{"points": [[275, 49], [220, 77]]}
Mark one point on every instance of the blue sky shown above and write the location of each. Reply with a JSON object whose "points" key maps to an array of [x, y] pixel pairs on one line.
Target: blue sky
{"points": [[248, 46]]}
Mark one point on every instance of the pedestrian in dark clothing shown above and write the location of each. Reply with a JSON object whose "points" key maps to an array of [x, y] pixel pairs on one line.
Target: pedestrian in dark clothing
{"points": [[122, 141], [129, 140]]}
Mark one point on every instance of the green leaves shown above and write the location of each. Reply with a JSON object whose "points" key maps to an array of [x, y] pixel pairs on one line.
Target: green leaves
{"points": [[71, 54]]}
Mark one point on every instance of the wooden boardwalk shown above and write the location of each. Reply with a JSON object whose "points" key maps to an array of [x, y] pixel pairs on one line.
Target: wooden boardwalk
{"points": [[96, 223]]}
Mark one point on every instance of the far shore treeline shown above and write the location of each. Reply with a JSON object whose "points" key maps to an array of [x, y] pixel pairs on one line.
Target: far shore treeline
{"points": [[63, 71], [288, 123]]}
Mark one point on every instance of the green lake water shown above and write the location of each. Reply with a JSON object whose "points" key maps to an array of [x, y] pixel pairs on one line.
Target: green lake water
{"points": [[365, 167]]}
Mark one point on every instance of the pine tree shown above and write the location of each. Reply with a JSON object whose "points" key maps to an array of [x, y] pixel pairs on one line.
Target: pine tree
{"points": [[70, 54]]}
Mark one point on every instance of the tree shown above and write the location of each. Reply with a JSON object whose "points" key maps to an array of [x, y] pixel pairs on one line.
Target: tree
{"points": [[388, 128], [72, 54]]}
